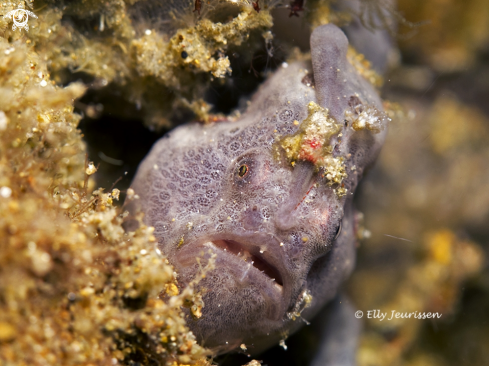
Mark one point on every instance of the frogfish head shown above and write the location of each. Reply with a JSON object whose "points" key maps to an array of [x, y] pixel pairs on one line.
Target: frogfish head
{"points": [[268, 197]]}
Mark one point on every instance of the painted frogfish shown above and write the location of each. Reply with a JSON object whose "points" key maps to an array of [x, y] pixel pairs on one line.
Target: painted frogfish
{"points": [[268, 196]]}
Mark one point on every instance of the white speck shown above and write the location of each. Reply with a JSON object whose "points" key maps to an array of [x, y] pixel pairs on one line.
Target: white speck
{"points": [[261, 251], [143, 251], [285, 65], [3, 121], [158, 251], [91, 169], [283, 345], [155, 167], [43, 83], [8, 51], [5, 192], [281, 244], [147, 32]]}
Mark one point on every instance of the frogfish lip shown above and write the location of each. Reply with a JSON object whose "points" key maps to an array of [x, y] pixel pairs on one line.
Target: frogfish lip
{"points": [[251, 256], [257, 259]]}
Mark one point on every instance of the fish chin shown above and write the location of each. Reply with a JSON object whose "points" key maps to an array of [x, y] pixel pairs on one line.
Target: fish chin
{"points": [[245, 298]]}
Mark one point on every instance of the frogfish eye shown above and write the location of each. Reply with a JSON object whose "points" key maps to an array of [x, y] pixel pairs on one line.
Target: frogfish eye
{"points": [[243, 170]]}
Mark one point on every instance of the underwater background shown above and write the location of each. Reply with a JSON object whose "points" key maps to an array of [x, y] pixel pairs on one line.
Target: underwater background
{"points": [[91, 85]]}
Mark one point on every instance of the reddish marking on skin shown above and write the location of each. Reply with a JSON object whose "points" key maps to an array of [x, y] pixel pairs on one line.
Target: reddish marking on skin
{"points": [[310, 149], [308, 157], [314, 143], [295, 6], [303, 198]]}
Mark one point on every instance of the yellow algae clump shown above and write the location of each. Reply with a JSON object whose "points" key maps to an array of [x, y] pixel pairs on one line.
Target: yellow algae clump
{"points": [[312, 143], [75, 288], [364, 67], [367, 117], [150, 65], [194, 48]]}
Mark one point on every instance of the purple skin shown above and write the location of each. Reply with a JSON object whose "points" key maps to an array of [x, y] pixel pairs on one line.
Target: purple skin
{"points": [[196, 175]]}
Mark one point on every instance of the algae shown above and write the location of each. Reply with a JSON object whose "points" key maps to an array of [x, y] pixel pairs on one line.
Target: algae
{"points": [[75, 288]]}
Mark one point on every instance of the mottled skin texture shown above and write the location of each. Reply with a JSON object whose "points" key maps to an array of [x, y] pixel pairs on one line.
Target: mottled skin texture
{"points": [[190, 187]]}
